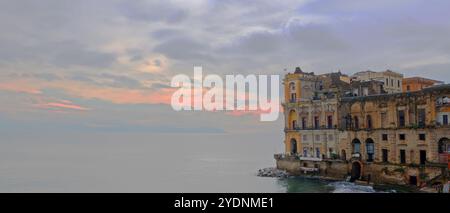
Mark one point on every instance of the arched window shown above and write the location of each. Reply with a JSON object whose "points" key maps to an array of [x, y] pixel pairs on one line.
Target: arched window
{"points": [[370, 150], [356, 145]]}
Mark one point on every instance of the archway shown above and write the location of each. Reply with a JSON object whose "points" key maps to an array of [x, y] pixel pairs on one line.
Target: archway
{"points": [[370, 147], [293, 146], [356, 171]]}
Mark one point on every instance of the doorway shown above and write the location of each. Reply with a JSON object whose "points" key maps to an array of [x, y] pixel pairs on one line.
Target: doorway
{"points": [[356, 171]]}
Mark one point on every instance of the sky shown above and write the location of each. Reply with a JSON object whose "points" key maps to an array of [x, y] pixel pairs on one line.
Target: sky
{"points": [[105, 66]]}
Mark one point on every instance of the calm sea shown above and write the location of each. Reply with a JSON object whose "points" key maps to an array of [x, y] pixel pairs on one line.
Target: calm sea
{"points": [[109, 162]]}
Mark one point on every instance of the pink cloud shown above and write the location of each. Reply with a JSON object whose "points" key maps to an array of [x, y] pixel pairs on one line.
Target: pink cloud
{"points": [[19, 86]]}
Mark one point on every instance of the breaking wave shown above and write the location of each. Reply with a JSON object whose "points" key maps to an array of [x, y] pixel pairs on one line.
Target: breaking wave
{"points": [[347, 187]]}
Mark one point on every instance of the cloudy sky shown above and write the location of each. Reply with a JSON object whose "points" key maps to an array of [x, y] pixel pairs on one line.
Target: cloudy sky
{"points": [[89, 66]]}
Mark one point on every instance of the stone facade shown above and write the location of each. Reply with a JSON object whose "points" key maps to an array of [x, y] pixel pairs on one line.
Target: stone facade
{"points": [[393, 81], [399, 138]]}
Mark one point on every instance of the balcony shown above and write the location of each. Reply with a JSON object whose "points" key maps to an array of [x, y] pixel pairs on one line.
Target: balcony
{"points": [[356, 156], [310, 159]]}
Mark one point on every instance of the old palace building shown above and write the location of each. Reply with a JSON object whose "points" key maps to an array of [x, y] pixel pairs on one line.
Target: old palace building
{"points": [[352, 127]]}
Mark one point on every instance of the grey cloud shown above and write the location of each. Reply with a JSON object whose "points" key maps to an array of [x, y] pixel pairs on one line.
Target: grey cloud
{"points": [[184, 49], [151, 11]]}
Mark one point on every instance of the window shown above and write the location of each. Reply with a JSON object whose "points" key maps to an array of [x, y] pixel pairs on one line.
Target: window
{"points": [[356, 122], [445, 119], [369, 122], [387, 82], [398, 83], [370, 151], [305, 137], [356, 146], [316, 122], [317, 137], [292, 86], [402, 156], [293, 97], [330, 122], [422, 137], [305, 152], [402, 137], [384, 137], [423, 157], [401, 118], [408, 88], [294, 124], [317, 153], [392, 82], [304, 123], [385, 155], [421, 118], [330, 137]]}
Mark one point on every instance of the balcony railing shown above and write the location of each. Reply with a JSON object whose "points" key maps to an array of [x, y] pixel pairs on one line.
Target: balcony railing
{"points": [[356, 156]]}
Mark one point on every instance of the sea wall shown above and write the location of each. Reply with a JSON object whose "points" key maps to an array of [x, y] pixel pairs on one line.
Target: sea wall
{"points": [[373, 172]]}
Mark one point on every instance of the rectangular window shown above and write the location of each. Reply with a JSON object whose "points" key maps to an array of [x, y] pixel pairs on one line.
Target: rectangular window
{"points": [[392, 82], [385, 155], [385, 137], [402, 137], [421, 118], [423, 157], [401, 118], [316, 122], [304, 123], [422, 137], [293, 98], [330, 122], [398, 83], [445, 119], [402, 156]]}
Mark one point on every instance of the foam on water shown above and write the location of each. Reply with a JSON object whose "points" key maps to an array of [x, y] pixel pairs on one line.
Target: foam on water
{"points": [[347, 187]]}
